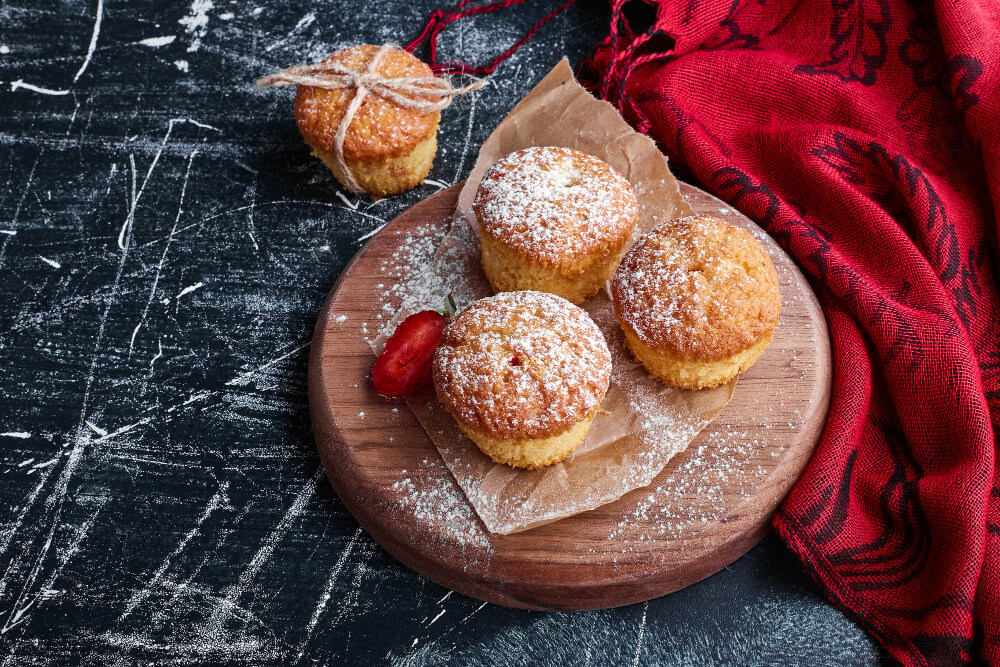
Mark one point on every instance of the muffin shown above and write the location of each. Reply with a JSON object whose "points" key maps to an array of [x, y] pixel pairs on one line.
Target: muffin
{"points": [[388, 148], [523, 374], [698, 300], [553, 219]]}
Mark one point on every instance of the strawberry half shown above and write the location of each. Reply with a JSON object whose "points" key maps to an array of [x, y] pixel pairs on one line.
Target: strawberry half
{"points": [[404, 366]]}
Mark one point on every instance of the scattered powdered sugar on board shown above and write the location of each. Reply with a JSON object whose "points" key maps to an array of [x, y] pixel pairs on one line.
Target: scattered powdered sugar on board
{"points": [[431, 262], [619, 454], [727, 465], [431, 495], [700, 487], [704, 484]]}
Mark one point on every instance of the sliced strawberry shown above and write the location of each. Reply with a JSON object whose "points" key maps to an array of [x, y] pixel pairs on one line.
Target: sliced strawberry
{"points": [[404, 366]]}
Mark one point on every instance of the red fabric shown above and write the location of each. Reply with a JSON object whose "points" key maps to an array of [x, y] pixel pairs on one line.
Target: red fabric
{"points": [[863, 135]]}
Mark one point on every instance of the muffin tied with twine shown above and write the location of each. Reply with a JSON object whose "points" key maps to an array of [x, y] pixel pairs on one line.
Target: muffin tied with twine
{"points": [[371, 114]]}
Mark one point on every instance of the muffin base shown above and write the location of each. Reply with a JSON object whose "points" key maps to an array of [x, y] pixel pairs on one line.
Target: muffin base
{"points": [[529, 453], [684, 374], [508, 272], [388, 176]]}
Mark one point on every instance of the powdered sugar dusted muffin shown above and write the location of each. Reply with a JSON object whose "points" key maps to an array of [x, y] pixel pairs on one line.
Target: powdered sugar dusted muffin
{"points": [[523, 373], [698, 301], [388, 148], [553, 219]]}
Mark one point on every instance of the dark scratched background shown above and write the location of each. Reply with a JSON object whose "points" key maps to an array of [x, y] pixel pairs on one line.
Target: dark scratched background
{"points": [[166, 243]]}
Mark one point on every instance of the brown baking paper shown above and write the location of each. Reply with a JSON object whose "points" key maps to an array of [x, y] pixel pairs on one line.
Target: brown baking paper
{"points": [[643, 424]]}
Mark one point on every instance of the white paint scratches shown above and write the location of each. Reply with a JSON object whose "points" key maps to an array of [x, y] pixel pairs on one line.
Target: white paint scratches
{"points": [[8, 232], [50, 594], [56, 499], [353, 205], [132, 197], [25, 462], [29, 564], [159, 353], [473, 613], [196, 22], [163, 257], [325, 597], [250, 225], [188, 290], [372, 232], [304, 22], [8, 235], [156, 158], [15, 620], [245, 378], [95, 428], [157, 42], [16, 434], [93, 40], [135, 196], [241, 379], [114, 170], [44, 464], [51, 262], [215, 625], [195, 123], [123, 429], [642, 631], [468, 139], [197, 396], [63, 556], [20, 83], [438, 184], [213, 504], [9, 533], [440, 614]]}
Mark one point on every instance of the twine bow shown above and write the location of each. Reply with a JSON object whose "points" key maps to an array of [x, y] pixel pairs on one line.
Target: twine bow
{"points": [[408, 92]]}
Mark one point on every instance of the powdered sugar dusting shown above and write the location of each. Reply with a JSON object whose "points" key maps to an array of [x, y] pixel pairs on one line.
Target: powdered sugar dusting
{"points": [[555, 204], [702, 486], [432, 496], [630, 439], [697, 285], [430, 262], [522, 364]]}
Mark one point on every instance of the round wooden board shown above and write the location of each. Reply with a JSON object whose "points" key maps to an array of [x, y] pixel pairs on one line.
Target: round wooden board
{"points": [[707, 508]]}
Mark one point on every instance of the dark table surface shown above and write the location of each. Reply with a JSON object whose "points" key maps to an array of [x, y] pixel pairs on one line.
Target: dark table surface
{"points": [[166, 242]]}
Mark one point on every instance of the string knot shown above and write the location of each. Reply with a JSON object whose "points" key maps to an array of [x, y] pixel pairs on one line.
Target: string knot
{"points": [[425, 94]]}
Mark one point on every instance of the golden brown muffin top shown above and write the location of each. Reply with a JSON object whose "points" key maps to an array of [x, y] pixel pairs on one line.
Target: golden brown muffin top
{"points": [[555, 206], [380, 129], [522, 365], [698, 288]]}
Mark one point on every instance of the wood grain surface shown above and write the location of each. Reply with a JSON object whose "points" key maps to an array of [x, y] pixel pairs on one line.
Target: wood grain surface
{"points": [[707, 508]]}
